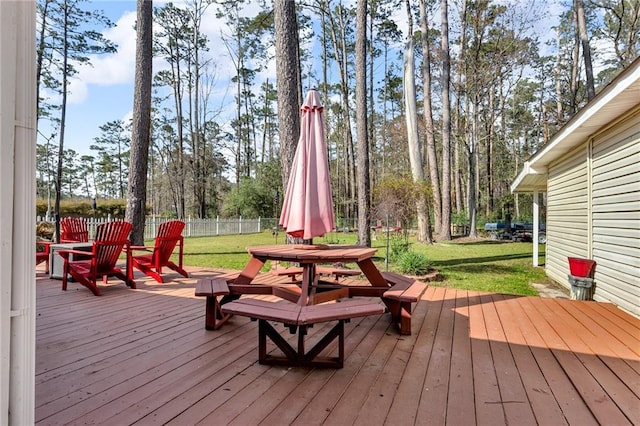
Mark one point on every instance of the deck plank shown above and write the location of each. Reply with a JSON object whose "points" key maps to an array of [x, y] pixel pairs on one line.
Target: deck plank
{"points": [[619, 357], [405, 405], [357, 391], [433, 403], [618, 327], [573, 407], [191, 397], [488, 410], [576, 337], [592, 392], [513, 396], [334, 389], [543, 404], [305, 394], [382, 394], [460, 402], [143, 356]]}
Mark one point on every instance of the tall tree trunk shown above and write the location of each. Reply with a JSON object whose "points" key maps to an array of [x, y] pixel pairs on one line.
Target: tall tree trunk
{"points": [[558, 77], [575, 67], [364, 201], [40, 53], [586, 51], [432, 159], [445, 229], [489, 136], [140, 132], [472, 170], [63, 117], [340, 56], [350, 157], [371, 128], [288, 83], [411, 115], [457, 123]]}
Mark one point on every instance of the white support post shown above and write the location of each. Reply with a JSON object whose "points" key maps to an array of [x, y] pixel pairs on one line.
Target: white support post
{"points": [[536, 227], [17, 212]]}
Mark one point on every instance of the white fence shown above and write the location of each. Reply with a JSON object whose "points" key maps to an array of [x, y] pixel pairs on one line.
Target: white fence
{"points": [[198, 227]]}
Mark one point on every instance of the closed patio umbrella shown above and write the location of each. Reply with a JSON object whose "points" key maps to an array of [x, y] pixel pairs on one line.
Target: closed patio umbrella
{"points": [[307, 210]]}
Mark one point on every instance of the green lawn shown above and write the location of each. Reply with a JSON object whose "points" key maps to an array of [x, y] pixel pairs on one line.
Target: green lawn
{"points": [[501, 267]]}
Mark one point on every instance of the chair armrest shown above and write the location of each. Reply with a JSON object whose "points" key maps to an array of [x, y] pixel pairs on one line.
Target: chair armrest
{"points": [[140, 248], [65, 253], [45, 244]]}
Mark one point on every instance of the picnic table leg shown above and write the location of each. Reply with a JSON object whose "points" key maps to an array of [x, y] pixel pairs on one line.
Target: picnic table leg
{"points": [[214, 317], [372, 273], [405, 319], [336, 332], [299, 357], [250, 271], [400, 314], [265, 329]]}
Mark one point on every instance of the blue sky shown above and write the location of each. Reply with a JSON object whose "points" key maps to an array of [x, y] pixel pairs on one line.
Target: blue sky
{"points": [[103, 92]]}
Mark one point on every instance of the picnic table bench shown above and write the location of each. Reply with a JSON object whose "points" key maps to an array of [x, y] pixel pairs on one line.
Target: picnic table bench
{"points": [[211, 288], [398, 298], [403, 292], [299, 318]]}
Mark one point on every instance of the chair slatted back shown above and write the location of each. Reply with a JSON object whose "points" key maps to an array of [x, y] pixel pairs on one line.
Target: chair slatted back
{"points": [[73, 229], [168, 236], [111, 237]]}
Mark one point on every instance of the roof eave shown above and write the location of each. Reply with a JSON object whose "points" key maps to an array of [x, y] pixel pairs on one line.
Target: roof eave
{"points": [[531, 179], [621, 95]]}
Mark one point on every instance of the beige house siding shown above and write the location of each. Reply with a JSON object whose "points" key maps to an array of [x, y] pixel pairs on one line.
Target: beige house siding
{"points": [[615, 200], [593, 211], [567, 213], [590, 170]]}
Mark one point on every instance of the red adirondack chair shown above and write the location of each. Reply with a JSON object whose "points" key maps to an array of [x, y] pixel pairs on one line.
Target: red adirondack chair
{"points": [[42, 255], [73, 229], [111, 239], [169, 236]]}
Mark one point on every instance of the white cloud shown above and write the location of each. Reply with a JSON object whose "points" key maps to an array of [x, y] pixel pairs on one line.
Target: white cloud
{"points": [[77, 91], [128, 116], [109, 69]]}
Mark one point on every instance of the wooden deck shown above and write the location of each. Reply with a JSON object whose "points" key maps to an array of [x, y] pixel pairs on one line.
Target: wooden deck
{"points": [[143, 356]]}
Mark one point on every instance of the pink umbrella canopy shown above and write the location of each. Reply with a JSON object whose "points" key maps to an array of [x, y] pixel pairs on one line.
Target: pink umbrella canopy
{"points": [[307, 211]]}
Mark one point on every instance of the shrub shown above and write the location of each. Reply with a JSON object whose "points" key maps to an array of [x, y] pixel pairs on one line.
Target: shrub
{"points": [[398, 246], [413, 263], [44, 231]]}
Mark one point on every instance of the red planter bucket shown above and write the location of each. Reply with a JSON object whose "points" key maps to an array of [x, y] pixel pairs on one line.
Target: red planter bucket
{"points": [[582, 267]]}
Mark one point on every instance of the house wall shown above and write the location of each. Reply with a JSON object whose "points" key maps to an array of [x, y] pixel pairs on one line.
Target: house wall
{"points": [[615, 201], [567, 213], [593, 212]]}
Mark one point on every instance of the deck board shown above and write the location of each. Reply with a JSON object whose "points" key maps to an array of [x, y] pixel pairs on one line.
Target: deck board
{"points": [[143, 356], [513, 396], [433, 401], [404, 407], [560, 340], [543, 404], [487, 392], [460, 401]]}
